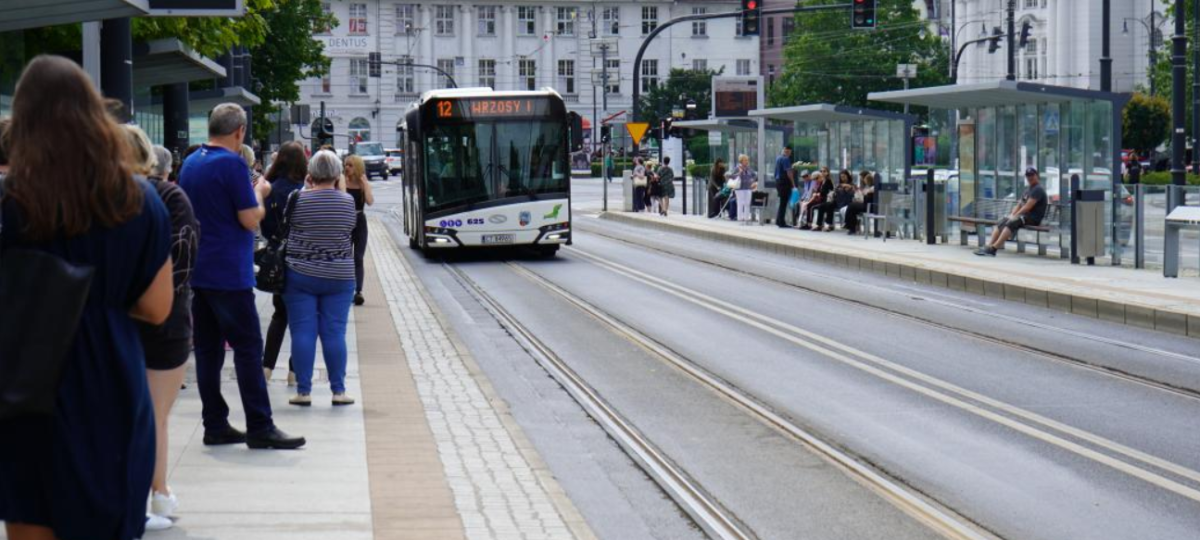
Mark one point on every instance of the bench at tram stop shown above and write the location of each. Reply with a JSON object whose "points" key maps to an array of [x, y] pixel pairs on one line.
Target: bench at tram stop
{"points": [[989, 212], [1182, 217]]}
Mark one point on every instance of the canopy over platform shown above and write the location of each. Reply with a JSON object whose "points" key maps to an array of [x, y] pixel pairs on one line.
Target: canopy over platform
{"points": [[993, 94], [206, 100], [23, 14], [725, 126], [822, 113], [169, 61]]}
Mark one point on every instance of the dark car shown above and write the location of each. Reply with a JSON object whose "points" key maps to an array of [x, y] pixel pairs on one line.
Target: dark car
{"points": [[374, 158]]}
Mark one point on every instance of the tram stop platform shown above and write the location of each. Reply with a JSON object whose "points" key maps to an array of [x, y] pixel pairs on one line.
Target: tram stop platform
{"points": [[1139, 298], [428, 452]]}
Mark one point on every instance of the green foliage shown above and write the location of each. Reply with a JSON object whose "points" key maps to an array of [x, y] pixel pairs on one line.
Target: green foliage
{"points": [[619, 167], [287, 55], [698, 146], [680, 86], [1164, 179], [826, 62], [699, 170], [1146, 122], [210, 36]]}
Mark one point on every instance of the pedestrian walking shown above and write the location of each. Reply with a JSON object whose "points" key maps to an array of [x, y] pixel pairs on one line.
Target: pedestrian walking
{"points": [[608, 166], [666, 185], [83, 472], [229, 208], [320, 277], [640, 183], [716, 182], [168, 345], [286, 175], [359, 187], [743, 182], [785, 182]]}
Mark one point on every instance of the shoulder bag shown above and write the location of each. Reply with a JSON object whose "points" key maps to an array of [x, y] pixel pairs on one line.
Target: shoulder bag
{"points": [[42, 298], [271, 276]]}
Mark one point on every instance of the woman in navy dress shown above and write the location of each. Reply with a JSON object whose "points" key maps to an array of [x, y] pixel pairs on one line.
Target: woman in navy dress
{"points": [[83, 473]]}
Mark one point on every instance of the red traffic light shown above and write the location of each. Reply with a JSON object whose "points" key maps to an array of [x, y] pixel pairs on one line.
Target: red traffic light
{"points": [[752, 4]]}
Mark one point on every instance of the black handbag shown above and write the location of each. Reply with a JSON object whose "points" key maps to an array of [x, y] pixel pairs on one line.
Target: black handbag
{"points": [[272, 267], [42, 298]]}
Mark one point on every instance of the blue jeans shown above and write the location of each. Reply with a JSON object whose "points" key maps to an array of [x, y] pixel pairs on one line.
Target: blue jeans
{"points": [[318, 307], [230, 316]]}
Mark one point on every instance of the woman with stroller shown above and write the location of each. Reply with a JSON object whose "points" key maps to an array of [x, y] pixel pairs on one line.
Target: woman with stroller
{"points": [[716, 181]]}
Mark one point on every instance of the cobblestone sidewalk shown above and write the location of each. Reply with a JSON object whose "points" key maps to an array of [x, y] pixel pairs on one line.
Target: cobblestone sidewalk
{"points": [[496, 491]]}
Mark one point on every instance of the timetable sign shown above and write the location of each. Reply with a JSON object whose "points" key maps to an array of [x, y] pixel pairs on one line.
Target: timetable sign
{"points": [[196, 8]]}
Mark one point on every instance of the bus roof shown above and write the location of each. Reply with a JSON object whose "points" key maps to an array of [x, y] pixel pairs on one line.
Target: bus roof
{"points": [[481, 92]]}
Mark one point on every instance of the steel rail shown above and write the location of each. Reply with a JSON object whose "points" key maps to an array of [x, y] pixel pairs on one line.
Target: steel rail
{"points": [[706, 511], [942, 521]]}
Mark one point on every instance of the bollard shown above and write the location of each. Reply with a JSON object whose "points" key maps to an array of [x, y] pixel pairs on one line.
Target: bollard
{"points": [[1139, 221], [1074, 219], [930, 209]]}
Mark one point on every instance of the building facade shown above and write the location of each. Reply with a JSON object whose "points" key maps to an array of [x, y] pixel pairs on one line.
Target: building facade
{"points": [[510, 45], [1065, 44]]}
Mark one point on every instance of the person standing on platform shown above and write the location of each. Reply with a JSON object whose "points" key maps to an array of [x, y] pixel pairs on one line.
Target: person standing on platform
{"points": [[746, 181], [229, 208], [785, 181], [359, 187], [666, 185], [286, 175]]}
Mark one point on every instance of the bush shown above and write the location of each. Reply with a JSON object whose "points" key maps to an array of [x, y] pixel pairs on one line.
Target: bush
{"points": [[1164, 179], [699, 170], [619, 167]]}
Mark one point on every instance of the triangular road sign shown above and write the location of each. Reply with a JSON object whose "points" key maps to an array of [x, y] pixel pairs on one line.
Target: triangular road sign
{"points": [[637, 130]]}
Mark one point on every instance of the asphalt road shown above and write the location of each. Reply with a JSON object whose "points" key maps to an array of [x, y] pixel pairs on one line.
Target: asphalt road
{"points": [[1020, 420]]}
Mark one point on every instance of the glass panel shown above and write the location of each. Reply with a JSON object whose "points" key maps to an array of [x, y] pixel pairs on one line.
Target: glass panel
{"points": [[869, 137], [1007, 186], [896, 147], [986, 154], [1050, 151], [966, 161]]}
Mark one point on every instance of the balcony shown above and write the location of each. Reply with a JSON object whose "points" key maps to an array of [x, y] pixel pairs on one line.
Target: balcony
{"points": [[406, 97]]}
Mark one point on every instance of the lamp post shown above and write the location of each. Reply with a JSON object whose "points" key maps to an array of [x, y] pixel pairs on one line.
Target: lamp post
{"points": [[1178, 88], [1152, 50]]}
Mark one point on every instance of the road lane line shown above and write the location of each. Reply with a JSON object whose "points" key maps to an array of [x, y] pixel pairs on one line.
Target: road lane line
{"points": [[942, 522], [829, 347]]}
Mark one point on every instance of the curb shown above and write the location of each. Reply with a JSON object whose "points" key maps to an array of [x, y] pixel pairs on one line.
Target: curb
{"points": [[1128, 313]]}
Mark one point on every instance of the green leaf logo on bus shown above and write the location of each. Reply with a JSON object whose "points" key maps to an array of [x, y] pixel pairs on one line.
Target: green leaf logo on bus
{"points": [[553, 214]]}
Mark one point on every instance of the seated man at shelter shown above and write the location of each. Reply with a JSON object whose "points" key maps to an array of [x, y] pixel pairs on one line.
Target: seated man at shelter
{"points": [[1029, 212]]}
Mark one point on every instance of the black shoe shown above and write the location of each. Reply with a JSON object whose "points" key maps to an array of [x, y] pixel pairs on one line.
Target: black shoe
{"points": [[358, 299], [990, 252], [274, 439], [229, 435]]}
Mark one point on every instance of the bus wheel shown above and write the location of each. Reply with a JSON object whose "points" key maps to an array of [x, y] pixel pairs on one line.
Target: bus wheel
{"points": [[412, 243], [547, 251]]}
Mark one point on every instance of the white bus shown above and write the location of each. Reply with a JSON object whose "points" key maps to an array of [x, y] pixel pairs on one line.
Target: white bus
{"points": [[484, 168]]}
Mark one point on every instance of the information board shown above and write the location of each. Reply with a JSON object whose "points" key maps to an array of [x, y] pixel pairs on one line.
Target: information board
{"points": [[735, 97], [196, 8]]}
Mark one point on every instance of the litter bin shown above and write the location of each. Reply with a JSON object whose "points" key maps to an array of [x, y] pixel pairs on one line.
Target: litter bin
{"points": [[1088, 208]]}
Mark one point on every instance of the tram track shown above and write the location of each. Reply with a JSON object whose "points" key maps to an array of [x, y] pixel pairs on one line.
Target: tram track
{"points": [[1080, 363]]}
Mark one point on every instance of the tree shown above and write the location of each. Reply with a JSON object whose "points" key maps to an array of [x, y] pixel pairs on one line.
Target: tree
{"points": [[1146, 122], [287, 55], [681, 85], [827, 62]]}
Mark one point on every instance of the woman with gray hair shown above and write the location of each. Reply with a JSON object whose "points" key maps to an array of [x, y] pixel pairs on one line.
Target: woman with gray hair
{"points": [[167, 346], [320, 276]]}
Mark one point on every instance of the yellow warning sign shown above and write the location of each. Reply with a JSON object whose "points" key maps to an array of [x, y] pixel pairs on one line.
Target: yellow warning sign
{"points": [[637, 130]]}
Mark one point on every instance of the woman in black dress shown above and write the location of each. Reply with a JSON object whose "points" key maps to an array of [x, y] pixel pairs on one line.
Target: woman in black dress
{"points": [[359, 187], [83, 473]]}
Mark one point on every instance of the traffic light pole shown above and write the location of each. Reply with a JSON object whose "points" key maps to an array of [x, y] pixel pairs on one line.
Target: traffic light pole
{"points": [[449, 77], [963, 48], [637, 61], [1012, 40]]}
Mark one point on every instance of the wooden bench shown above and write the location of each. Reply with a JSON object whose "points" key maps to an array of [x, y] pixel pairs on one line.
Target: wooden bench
{"points": [[989, 212]]}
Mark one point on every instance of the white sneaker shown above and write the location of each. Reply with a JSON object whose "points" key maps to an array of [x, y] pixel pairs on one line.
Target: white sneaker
{"points": [[158, 523], [163, 505]]}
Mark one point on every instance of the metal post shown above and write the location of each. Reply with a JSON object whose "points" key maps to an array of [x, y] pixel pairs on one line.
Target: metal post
{"points": [[1012, 40], [91, 51], [1153, 50], [953, 34], [1196, 87], [930, 209], [1139, 221], [604, 96], [1178, 99], [116, 63], [1105, 53], [1074, 219], [175, 117]]}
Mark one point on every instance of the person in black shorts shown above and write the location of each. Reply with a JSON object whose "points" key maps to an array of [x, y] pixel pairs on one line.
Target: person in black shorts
{"points": [[1029, 212]]}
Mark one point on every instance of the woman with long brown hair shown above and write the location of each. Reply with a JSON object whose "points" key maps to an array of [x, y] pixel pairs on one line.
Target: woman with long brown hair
{"points": [[286, 175], [83, 472]]}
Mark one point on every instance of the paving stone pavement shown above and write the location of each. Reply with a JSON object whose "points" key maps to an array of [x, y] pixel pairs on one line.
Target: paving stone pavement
{"points": [[498, 493]]}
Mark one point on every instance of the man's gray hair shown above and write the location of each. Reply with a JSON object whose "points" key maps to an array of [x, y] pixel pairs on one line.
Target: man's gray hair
{"points": [[324, 167], [162, 162], [225, 119]]}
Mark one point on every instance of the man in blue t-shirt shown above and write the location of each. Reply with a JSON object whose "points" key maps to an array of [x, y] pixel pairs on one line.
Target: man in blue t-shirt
{"points": [[784, 183], [229, 207]]}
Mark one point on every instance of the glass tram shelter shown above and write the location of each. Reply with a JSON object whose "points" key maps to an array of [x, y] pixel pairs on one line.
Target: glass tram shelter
{"points": [[1002, 127]]}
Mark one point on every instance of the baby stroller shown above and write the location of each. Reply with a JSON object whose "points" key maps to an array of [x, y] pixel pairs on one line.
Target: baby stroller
{"points": [[723, 204]]}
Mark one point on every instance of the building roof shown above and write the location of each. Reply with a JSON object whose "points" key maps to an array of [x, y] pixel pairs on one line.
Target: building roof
{"points": [[169, 61], [821, 113], [206, 100], [993, 94], [22, 14]]}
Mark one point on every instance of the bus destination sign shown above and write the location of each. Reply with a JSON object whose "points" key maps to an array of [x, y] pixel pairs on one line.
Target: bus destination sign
{"points": [[491, 108]]}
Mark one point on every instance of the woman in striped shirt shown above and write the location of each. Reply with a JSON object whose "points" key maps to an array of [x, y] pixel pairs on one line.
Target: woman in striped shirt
{"points": [[320, 277]]}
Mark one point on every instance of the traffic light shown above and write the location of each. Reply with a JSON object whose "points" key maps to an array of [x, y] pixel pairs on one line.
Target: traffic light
{"points": [[751, 9], [1026, 29], [605, 134], [994, 42], [666, 127], [322, 132], [863, 15], [374, 67]]}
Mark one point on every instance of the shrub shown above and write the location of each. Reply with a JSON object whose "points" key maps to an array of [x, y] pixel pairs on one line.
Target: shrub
{"points": [[699, 170], [1164, 179]]}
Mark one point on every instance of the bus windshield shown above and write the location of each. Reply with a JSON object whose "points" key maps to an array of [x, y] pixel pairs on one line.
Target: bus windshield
{"points": [[472, 163]]}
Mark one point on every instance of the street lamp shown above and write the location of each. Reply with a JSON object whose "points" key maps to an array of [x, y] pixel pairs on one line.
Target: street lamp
{"points": [[1153, 37]]}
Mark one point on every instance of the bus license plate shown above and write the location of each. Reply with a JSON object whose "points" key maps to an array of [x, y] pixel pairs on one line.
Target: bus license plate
{"points": [[497, 239]]}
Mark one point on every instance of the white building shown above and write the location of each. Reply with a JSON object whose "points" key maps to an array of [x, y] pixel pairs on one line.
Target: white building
{"points": [[507, 44], [1065, 44]]}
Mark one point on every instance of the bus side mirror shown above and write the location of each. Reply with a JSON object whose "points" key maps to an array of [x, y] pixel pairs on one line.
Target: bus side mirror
{"points": [[576, 132]]}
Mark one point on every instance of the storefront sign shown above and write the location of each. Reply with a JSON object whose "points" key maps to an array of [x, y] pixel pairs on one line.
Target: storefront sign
{"points": [[345, 46]]}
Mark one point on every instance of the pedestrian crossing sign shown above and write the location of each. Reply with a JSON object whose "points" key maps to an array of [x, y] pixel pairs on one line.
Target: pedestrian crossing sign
{"points": [[637, 130]]}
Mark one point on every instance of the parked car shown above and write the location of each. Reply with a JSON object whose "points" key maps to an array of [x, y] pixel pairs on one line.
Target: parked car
{"points": [[373, 157], [394, 160]]}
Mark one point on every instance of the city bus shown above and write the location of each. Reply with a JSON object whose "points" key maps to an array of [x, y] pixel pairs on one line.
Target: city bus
{"points": [[486, 168]]}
